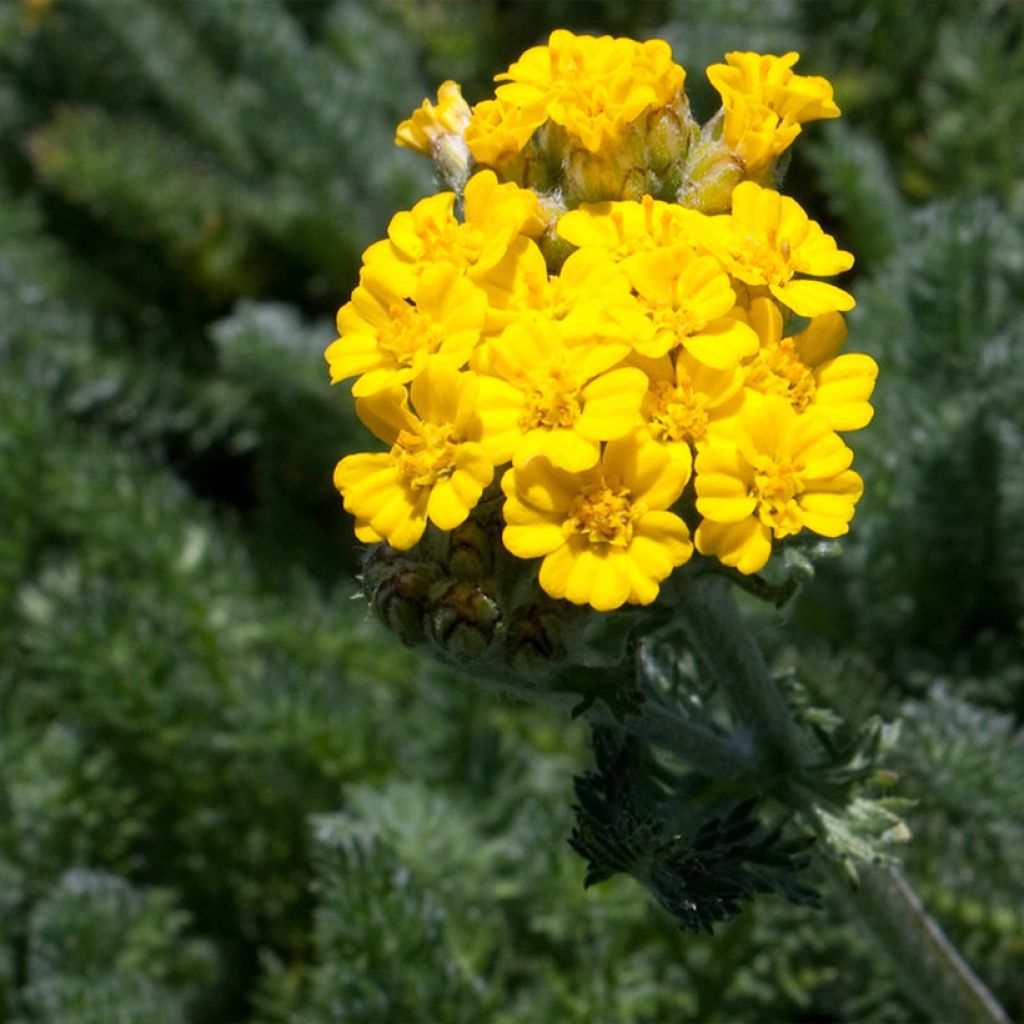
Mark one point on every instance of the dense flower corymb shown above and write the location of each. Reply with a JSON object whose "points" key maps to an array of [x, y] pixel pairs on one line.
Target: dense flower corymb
{"points": [[608, 312]]}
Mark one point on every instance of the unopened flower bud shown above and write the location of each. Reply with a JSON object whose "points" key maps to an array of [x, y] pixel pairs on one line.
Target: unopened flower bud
{"points": [[470, 551], [463, 621], [398, 588]]}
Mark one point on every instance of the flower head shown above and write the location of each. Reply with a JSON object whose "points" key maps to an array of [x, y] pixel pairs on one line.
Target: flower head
{"points": [[684, 397], [435, 468], [429, 123], [605, 535], [808, 370], [629, 227], [498, 130], [769, 472], [765, 103], [592, 87], [388, 339], [768, 238], [689, 300], [428, 234], [547, 397]]}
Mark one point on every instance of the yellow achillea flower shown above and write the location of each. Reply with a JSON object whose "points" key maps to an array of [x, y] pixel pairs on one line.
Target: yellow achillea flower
{"points": [[388, 339], [592, 87], [770, 472], [640, 353], [765, 103], [689, 299], [684, 397], [605, 535], [429, 233], [552, 399], [808, 370], [436, 468], [626, 228], [429, 123], [768, 238]]}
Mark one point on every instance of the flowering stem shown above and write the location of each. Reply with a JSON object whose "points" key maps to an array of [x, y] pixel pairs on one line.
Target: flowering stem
{"points": [[729, 658], [931, 971]]}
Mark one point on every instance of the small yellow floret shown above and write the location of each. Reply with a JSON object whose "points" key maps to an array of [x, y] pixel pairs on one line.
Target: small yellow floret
{"points": [[605, 535], [684, 397], [430, 123]]}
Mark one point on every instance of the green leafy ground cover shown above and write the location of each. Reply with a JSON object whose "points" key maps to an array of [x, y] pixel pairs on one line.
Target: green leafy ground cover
{"points": [[225, 794]]}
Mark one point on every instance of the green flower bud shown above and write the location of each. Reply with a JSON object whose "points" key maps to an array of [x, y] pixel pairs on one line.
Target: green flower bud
{"points": [[464, 620], [398, 589]]}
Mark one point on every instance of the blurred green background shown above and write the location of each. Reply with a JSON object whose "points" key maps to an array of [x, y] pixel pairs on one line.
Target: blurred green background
{"points": [[225, 794]]}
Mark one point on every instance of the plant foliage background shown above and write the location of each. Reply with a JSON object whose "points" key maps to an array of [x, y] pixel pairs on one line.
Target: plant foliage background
{"points": [[225, 794]]}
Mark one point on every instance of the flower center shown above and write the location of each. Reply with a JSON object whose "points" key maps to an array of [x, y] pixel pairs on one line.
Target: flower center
{"points": [[459, 243], [777, 370], [423, 459], [677, 320], [675, 413], [603, 515], [555, 404], [408, 332], [776, 486], [768, 254]]}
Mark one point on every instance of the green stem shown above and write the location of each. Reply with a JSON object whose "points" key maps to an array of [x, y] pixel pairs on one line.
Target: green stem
{"points": [[729, 657], [930, 969], [932, 972]]}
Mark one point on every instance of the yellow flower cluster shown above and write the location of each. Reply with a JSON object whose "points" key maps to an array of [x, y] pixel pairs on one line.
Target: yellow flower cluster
{"points": [[613, 364]]}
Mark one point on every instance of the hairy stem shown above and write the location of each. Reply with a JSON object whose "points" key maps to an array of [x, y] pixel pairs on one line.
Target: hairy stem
{"points": [[728, 656], [932, 972]]}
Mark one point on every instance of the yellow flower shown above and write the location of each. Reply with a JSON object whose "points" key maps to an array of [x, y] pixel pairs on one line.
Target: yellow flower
{"points": [[684, 397], [768, 238], [430, 123], [626, 228], [689, 299], [808, 370], [765, 103], [497, 131], [429, 233], [436, 468], [592, 87], [590, 297], [605, 535], [556, 400], [770, 472], [388, 339]]}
